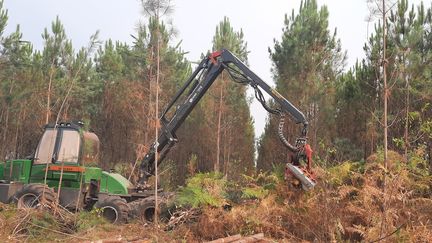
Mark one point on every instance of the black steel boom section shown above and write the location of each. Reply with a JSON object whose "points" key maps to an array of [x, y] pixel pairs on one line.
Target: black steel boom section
{"points": [[194, 89]]}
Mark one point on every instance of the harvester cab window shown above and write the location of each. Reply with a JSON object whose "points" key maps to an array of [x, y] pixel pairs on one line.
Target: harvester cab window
{"points": [[69, 147], [45, 149]]}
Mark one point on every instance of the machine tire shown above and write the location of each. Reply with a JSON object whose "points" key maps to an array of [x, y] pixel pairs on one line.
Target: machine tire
{"points": [[113, 208], [144, 209], [35, 196]]}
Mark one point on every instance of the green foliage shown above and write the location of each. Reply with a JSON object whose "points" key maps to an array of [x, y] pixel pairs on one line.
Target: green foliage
{"points": [[417, 162], [227, 38], [203, 189], [264, 179], [394, 159], [89, 219], [419, 172], [306, 62], [259, 185], [278, 171], [399, 142], [3, 18], [414, 174], [343, 173], [426, 127], [255, 193], [167, 175], [41, 222]]}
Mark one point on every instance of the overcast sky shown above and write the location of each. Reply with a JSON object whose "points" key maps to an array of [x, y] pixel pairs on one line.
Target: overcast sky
{"points": [[195, 21]]}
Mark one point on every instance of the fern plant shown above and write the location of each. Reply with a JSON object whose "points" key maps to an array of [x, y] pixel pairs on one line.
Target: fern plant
{"points": [[203, 189]]}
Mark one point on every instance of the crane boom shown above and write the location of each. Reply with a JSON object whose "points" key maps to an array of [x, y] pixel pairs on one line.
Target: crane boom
{"points": [[194, 89]]}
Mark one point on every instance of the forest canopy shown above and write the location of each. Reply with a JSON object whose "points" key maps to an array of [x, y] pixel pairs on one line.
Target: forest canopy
{"points": [[110, 86]]}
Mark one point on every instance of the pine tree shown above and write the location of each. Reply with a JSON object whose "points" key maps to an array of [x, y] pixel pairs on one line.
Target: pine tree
{"points": [[56, 55], [233, 116], [15, 59], [305, 64]]}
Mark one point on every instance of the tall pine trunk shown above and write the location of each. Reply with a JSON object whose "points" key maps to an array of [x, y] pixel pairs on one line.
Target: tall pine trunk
{"points": [[219, 128], [48, 104], [385, 85], [406, 132], [384, 64], [157, 113]]}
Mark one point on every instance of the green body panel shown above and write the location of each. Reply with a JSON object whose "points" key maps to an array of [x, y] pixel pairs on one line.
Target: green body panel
{"points": [[92, 173], [67, 176], [23, 171], [69, 179], [16, 170], [114, 183], [38, 174]]}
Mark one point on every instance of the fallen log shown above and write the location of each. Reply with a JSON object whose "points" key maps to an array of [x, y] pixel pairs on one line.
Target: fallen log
{"points": [[226, 239], [241, 239], [253, 238]]}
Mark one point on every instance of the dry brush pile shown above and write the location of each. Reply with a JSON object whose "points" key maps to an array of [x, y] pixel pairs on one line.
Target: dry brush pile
{"points": [[43, 225], [46, 224], [354, 201]]}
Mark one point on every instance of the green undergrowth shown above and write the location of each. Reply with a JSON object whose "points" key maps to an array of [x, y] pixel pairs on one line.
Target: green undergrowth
{"points": [[203, 189], [413, 171], [343, 173], [213, 189], [87, 220], [258, 186]]}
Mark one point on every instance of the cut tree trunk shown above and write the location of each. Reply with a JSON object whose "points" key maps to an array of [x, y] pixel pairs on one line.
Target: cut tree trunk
{"points": [[241, 239]]}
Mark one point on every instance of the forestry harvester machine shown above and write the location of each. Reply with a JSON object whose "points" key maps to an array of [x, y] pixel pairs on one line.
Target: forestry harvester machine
{"points": [[64, 167]]}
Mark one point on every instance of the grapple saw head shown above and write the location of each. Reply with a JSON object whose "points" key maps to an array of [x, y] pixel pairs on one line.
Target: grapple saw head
{"points": [[304, 174]]}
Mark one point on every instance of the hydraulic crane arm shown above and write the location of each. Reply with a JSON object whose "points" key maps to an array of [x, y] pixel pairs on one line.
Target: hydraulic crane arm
{"points": [[194, 89]]}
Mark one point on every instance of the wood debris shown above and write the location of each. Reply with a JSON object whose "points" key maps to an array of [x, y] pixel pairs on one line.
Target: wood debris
{"points": [[183, 216]]}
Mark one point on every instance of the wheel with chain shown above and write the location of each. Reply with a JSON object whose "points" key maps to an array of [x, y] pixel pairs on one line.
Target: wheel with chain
{"points": [[114, 209], [35, 196], [144, 209]]}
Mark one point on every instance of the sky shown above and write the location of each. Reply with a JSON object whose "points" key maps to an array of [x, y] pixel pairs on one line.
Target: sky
{"points": [[195, 22]]}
